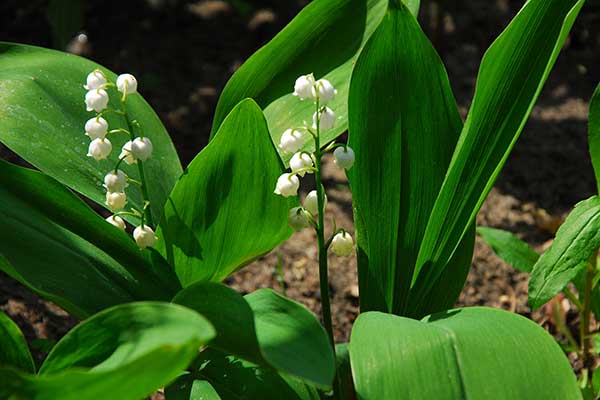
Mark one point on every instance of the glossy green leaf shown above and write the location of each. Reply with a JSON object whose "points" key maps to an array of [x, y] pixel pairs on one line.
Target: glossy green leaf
{"points": [[128, 351], [403, 131], [235, 379], [510, 79], [575, 242], [187, 387], [471, 353], [266, 329], [320, 40], [509, 248], [594, 133], [13, 347], [43, 117], [223, 213], [78, 260]]}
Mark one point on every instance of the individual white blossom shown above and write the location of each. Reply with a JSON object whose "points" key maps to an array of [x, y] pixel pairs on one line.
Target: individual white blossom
{"points": [[144, 236], [287, 185], [343, 157], [126, 154], [116, 200], [115, 181], [96, 128], [117, 221], [301, 161], [304, 87], [126, 83], [327, 119], [291, 141], [342, 244], [311, 203], [96, 100], [94, 80], [141, 148], [298, 219], [99, 149], [325, 90]]}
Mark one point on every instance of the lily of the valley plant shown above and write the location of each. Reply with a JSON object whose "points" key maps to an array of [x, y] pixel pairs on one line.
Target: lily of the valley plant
{"points": [[155, 313]]}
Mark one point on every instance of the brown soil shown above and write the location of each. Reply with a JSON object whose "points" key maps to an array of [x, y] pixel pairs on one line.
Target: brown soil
{"points": [[184, 52]]}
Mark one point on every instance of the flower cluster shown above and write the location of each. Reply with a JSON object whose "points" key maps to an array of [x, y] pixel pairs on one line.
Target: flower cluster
{"points": [[321, 92], [137, 149]]}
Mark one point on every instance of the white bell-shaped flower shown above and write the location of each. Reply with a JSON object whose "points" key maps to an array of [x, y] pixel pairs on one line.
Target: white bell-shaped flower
{"points": [[115, 181], [300, 161], [291, 141], [311, 202], [325, 90], [144, 236], [99, 149], [343, 157], [94, 80], [96, 100], [116, 200], [304, 87], [298, 219], [117, 221], [327, 119], [126, 83], [96, 128], [287, 185], [141, 148], [342, 244], [126, 153]]}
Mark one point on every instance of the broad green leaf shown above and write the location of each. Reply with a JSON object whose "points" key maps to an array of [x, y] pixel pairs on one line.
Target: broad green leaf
{"points": [[403, 131], [509, 248], [128, 351], [43, 117], [576, 240], [13, 347], [510, 79], [266, 329], [319, 40], [187, 387], [594, 133], [235, 379], [344, 372], [471, 353], [54, 243], [223, 213]]}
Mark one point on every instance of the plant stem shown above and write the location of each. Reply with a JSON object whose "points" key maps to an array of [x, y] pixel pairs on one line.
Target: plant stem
{"points": [[585, 317], [143, 186]]}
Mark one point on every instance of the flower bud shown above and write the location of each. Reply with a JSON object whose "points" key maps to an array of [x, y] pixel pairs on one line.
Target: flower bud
{"points": [[126, 83], [342, 244], [99, 149], [343, 157], [304, 87], [144, 236], [96, 100], [126, 154], [300, 161], [94, 80], [287, 185], [327, 119], [141, 148], [311, 203], [298, 219], [115, 181], [116, 200], [96, 128], [326, 91], [117, 221], [291, 141]]}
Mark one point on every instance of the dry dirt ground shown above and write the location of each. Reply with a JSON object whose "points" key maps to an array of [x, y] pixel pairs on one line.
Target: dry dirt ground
{"points": [[183, 53]]}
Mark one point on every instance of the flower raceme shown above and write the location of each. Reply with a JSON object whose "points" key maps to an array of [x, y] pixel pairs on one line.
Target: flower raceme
{"points": [[137, 149]]}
